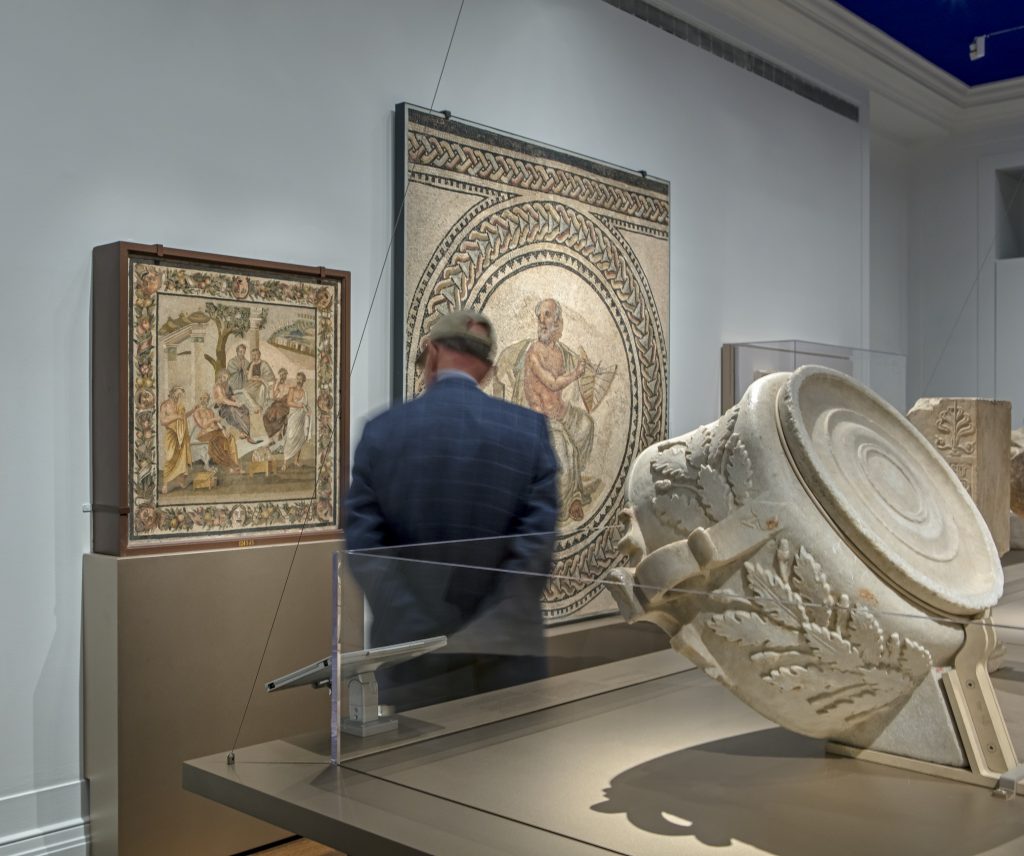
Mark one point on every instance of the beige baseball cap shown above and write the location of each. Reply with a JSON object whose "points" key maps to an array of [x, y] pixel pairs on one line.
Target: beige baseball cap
{"points": [[461, 330]]}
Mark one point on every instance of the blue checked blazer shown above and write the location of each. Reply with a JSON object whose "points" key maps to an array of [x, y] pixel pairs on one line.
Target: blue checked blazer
{"points": [[443, 486]]}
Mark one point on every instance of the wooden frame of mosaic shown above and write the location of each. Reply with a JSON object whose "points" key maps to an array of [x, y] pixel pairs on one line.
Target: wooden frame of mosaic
{"points": [[219, 400]]}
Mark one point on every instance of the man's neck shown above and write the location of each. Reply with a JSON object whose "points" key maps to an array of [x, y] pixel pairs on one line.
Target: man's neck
{"points": [[446, 374]]}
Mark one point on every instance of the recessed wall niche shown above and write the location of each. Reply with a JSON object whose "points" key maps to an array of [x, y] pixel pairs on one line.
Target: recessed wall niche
{"points": [[1008, 284], [1009, 199]]}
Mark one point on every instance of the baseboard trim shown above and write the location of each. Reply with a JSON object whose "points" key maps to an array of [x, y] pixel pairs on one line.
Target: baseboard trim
{"points": [[47, 820], [70, 840]]}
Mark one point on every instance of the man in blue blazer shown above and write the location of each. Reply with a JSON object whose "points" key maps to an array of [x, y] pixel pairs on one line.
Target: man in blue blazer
{"points": [[450, 523]]}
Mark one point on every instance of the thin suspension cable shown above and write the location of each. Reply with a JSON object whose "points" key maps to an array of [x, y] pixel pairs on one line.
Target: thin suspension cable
{"points": [[309, 509], [1003, 32], [401, 208], [680, 591], [284, 587]]}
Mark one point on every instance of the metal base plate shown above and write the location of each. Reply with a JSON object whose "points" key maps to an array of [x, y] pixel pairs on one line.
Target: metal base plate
{"points": [[365, 729]]}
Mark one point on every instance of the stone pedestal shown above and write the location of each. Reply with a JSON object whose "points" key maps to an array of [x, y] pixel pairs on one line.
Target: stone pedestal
{"points": [[172, 646], [973, 436]]}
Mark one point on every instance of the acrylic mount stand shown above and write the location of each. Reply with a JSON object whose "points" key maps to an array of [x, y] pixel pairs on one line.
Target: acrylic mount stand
{"points": [[979, 721], [355, 670]]}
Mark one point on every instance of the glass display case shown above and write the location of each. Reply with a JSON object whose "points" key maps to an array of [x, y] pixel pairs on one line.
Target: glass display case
{"points": [[744, 362]]}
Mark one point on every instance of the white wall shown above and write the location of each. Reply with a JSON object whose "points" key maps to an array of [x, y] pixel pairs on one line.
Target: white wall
{"points": [[890, 256], [952, 263], [262, 128], [1009, 344]]}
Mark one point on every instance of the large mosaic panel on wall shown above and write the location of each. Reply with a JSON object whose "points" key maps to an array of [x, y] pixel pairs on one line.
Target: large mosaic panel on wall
{"points": [[228, 421], [569, 257]]}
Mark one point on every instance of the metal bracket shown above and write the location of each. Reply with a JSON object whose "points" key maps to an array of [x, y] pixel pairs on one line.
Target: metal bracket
{"points": [[972, 697], [364, 708], [979, 722], [1006, 787]]}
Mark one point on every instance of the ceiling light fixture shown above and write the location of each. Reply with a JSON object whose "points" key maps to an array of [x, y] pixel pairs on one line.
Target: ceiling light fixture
{"points": [[977, 46]]}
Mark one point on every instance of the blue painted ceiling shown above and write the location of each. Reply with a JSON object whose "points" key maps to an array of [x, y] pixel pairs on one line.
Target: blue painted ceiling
{"points": [[941, 31]]}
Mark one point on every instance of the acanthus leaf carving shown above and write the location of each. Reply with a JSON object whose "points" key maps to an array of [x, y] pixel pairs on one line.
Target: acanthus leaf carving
{"points": [[678, 510], [840, 661], [808, 576], [697, 448], [866, 634], [712, 465], [719, 437], [915, 659], [774, 596], [954, 427], [671, 465], [739, 470], [750, 628], [832, 648], [779, 659], [715, 495]]}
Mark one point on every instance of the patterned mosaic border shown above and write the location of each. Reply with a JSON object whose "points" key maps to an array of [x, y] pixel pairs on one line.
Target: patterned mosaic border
{"points": [[544, 207], [152, 518]]}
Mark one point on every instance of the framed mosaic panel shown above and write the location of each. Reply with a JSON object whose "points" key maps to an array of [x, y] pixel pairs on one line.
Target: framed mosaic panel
{"points": [[219, 400], [569, 258]]}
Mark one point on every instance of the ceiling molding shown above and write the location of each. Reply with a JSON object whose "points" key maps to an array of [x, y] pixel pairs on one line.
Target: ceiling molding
{"points": [[842, 42], [994, 104], [728, 50]]}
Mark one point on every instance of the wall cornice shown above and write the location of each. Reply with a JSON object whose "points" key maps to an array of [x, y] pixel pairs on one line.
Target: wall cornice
{"points": [[837, 39]]}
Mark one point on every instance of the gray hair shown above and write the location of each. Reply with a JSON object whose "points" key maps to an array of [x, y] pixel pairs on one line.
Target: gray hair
{"points": [[558, 308]]}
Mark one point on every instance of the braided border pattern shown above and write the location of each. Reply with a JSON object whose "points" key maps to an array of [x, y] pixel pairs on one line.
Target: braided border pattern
{"points": [[427, 149]]}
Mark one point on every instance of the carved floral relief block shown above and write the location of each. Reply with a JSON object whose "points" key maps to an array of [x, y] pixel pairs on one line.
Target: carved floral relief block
{"points": [[219, 399], [973, 437], [567, 256], [1017, 478]]}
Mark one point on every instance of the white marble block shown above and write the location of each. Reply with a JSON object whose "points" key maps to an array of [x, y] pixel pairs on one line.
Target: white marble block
{"points": [[973, 437], [812, 552]]}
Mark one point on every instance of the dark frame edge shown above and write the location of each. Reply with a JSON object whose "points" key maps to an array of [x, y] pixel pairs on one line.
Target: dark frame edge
{"points": [[108, 407], [728, 388], [109, 357], [342, 430], [400, 177]]}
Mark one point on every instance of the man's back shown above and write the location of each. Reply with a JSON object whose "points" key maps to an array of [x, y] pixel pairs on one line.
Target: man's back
{"points": [[453, 464], [455, 496]]}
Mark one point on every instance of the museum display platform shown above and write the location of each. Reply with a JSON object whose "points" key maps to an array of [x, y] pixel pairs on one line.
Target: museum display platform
{"points": [[645, 756], [172, 646]]}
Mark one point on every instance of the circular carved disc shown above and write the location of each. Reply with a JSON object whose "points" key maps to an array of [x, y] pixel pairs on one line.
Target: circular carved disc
{"points": [[889, 492]]}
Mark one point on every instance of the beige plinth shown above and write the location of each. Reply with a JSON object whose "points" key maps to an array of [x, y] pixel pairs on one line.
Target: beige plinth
{"points": [[172, 643], [973, 436]]}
